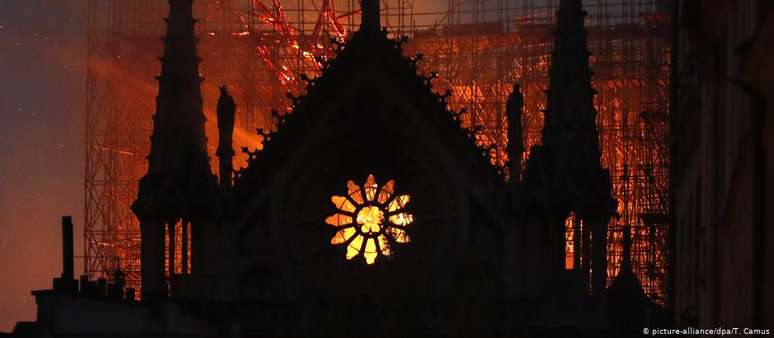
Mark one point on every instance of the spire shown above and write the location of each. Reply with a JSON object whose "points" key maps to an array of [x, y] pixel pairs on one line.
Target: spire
{"points": [[178, 160], [369, 16], [179, 187], [570, 114], [570, 17], [178, 138], [571, 5], [628, 306], [564, 173]]}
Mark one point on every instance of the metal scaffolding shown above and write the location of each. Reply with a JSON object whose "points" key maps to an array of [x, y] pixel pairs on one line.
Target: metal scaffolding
{"points": [[479, 49], [484, 47]]}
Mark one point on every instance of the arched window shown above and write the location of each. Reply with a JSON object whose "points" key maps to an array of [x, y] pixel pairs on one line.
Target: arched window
{"points": [[573, 227]]}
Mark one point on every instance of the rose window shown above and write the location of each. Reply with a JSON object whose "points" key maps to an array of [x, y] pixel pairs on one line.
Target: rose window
{"points": [[370, 219]]}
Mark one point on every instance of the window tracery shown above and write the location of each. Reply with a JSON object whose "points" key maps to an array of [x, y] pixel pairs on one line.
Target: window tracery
{"points": [[370, 219]]}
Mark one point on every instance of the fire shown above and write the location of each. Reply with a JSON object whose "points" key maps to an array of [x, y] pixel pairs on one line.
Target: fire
{"points": [[262, 56]]}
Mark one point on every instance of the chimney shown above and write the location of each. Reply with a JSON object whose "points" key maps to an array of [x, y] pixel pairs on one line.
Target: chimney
{"points": [[67, 249], [369, 16]]}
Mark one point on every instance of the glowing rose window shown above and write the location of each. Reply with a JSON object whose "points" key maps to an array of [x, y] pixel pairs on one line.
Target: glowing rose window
{"points": [[370, 219]]}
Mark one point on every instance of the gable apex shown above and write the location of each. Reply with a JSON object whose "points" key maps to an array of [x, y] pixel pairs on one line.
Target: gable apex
{"points": [[369, 70]]}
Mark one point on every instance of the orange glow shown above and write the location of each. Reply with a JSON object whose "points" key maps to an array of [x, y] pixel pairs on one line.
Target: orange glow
{"points": [[368, 206], [263, 54], [178, 250], [632, 108], [569, 247], [370, 219]]}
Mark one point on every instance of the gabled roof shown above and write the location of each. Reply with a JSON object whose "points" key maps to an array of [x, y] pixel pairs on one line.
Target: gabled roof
{"points": [[371, 70]]}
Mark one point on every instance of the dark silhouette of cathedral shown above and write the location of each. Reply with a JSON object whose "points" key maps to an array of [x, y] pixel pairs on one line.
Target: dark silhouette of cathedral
{"points": [[370, 212]]}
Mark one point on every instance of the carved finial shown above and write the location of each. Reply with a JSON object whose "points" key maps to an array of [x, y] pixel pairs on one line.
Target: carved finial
{"points": [[370, 20], [570, 5]]}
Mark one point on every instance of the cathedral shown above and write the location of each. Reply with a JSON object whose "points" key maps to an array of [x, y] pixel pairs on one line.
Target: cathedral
{"points": [[369, 212]]}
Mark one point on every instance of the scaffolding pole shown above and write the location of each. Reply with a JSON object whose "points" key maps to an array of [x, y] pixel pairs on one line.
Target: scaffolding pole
{"points": [[479, 49]]}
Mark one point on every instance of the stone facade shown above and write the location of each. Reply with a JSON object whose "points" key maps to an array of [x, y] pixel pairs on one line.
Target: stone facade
{"points": [[426, 237], [723, 151]]}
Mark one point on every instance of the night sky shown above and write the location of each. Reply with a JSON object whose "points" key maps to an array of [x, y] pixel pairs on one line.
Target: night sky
{"points": [[43, 50], [42, 100]]}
